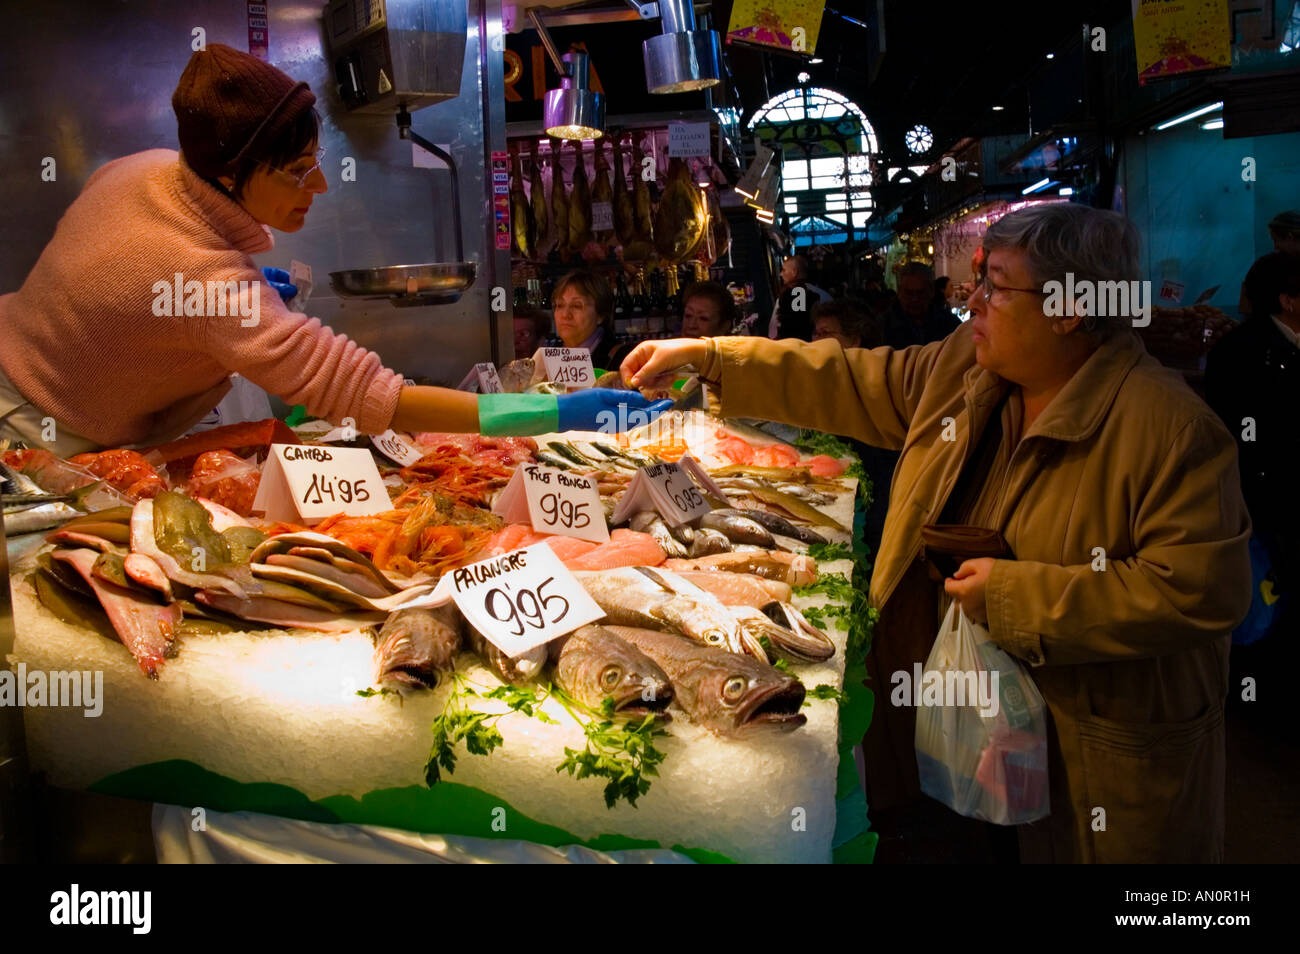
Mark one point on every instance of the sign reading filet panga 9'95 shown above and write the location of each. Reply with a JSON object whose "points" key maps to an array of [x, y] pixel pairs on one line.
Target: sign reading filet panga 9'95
{"points": [[521, 599]]}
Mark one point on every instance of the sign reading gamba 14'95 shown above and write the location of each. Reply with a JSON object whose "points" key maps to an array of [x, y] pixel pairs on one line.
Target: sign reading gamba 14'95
{"points": [[521, 599], [310, 483]]}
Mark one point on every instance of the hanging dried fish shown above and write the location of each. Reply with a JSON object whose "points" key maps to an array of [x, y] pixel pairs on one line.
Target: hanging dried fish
{"points": [[521, 216], [680, 220], [579, 205], [559, 202], [537, 200], [602, 193], [624, 217]]}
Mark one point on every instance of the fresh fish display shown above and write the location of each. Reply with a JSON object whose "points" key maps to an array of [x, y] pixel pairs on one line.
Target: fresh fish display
{"points": [[185, 539], [631, 598], [277, 612], [772, 523], [592, 665], [794, 637], [796, 569], [144, 627], [738, 528], [559, 203], [796, 506], [728, 694], [544, 234], [648, 521], [624, 217], [25, 511], [416, 646], [707, 542], [739, 589], [516, 670]]}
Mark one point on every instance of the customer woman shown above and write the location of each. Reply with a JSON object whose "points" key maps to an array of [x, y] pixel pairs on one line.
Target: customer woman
{"points": [[584, 317], [1116, 489], [147, 299]]}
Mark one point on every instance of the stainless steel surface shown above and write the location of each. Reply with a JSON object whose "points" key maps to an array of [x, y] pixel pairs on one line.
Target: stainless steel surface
{"points": [[574, 111], [405, 131], [86, 96], [409, 52], [680, 62], [678, 16], [432, 283]]}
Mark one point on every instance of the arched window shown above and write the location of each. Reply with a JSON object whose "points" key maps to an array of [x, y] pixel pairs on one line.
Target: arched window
{"points": [[828, 151]]}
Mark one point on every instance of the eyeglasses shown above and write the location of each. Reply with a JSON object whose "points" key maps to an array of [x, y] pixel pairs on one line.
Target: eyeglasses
{"points": [[990, 288], [300, 179]]}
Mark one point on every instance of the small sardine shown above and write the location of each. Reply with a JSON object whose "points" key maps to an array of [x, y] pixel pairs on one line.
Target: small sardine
{"points": [[708, 543], [776, 524], [738, 529]]}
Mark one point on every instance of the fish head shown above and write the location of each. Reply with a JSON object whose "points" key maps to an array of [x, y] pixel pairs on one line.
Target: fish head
{"points": [[615, 670], [745, 696]]}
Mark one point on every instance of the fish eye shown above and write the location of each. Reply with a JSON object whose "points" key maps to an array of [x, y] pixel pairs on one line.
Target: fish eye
{"points": [[610, 676], [734, 688], [714, 638]]}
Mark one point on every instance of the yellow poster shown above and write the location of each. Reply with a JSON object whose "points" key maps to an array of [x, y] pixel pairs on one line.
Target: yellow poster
{"points": [[790, 25], [1181, 36]]}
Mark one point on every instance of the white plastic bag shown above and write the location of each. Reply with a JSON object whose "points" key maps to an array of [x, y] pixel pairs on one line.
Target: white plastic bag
{"points": [[984, 759]]}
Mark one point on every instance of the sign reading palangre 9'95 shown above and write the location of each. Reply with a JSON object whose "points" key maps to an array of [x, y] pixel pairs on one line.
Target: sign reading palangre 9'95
{"points": [[521, 599]]}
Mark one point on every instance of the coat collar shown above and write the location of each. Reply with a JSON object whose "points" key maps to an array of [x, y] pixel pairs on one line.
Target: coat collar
{"points": [[1079, 408]]}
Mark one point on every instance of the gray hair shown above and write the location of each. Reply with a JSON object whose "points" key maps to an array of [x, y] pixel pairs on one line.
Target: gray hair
{"points": [[1093, 244]]}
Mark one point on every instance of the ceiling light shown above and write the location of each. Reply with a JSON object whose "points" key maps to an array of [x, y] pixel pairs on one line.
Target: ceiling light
{"points": [[1038, 186], [1213, 124], [803, 78], [681, 58], [1066, 190], [998, 109], [816, 60], [1192, 115], [1051, 56], [749, 182], [768, 186], [573, 111]]}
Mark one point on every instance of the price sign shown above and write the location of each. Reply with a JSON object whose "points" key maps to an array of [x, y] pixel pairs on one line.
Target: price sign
{"points": [[569, 366], [602, 216], [521, 599], [489, 382], [666, 488], [563, 503], [304, 484], [396, 448]]}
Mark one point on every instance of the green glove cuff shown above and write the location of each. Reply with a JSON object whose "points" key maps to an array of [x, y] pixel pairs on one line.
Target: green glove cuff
{"points": [[517, 415]]}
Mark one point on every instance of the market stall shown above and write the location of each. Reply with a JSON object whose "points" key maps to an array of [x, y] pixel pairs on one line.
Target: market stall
{"points": [[311, 668]]}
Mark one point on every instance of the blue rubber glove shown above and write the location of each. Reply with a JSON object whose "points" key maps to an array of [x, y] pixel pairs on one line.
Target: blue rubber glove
{"points": [[607, 410], [278, 279]]}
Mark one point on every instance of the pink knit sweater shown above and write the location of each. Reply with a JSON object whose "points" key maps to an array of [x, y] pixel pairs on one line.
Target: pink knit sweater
{"points": [[81, 341]]}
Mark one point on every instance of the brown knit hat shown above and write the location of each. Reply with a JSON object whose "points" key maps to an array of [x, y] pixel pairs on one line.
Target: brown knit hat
{"points": [[228, 104]]}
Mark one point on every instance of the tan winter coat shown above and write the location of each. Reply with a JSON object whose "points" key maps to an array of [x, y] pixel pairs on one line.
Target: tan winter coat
{"points": [[1131, 660]]}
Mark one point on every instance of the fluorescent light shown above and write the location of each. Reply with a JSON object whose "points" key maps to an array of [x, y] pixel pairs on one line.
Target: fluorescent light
{"points": [[1051, 56], [998, 109], [1192, 115], [815, 60], [1036, 187], [1213, 124], [1066, 190]]}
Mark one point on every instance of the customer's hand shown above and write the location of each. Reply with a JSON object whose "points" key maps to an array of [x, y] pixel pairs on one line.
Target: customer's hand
{"points": [[652, 363], [967, 586], [608, 410], [279, 279]]}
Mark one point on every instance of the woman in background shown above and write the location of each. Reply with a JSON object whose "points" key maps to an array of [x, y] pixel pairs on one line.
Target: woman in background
{"points": [[584, 317]]}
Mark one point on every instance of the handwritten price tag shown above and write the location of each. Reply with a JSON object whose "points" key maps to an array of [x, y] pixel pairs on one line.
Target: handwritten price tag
{"points": [[489, 382], [306, 484], [569, 366], [521, 599], [602, 216], [396, 448], [567, 504], [665, 488]]}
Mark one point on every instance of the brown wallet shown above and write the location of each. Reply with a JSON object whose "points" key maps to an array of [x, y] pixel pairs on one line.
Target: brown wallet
{"points": [[945, 546]]}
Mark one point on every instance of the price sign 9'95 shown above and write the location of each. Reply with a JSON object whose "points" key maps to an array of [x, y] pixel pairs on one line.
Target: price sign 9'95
{"points": [[522, 599], [565, 504]]}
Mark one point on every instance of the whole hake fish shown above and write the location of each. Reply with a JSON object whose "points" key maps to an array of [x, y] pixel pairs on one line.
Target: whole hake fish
{"points": [[592, 665], [416, 646], [727, 694]]}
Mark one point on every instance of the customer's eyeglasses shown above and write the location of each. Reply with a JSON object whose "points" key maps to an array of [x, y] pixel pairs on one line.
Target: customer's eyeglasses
{"points": [[299, 179], [990, 288]]}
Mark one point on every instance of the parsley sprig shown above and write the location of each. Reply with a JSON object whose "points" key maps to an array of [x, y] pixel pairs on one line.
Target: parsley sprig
{"points": [[459, 722], [622, 753], [825, 691]]}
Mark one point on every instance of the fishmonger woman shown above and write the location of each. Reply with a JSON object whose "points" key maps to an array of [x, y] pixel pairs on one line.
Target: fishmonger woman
{"points": [[91, 356]]}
